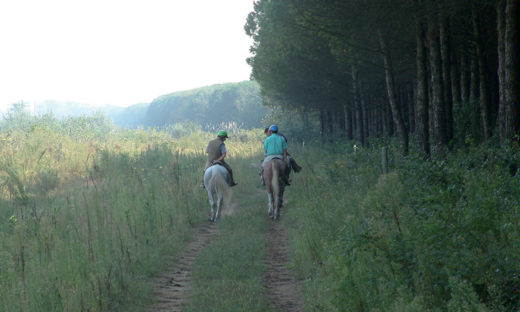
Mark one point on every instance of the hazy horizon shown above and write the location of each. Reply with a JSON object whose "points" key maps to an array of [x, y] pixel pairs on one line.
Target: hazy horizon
{"points": [[4, 108], [119, 53]]}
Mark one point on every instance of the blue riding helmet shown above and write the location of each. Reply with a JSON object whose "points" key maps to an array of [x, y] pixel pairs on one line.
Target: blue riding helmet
{"points": [[273, 128]]}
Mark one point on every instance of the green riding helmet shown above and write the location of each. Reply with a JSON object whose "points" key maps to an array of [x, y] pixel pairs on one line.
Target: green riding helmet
{"points": [[222, 134]]}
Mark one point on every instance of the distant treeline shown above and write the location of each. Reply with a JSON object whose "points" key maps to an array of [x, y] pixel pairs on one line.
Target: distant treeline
{"points": [[237, 103]]}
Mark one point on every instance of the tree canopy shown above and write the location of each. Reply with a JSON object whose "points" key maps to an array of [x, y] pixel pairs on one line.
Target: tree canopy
{"points": [[442, 71]]}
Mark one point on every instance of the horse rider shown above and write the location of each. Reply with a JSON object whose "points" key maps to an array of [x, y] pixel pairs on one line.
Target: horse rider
{"points": [[216, 150], [292, 161], [275, 146]]}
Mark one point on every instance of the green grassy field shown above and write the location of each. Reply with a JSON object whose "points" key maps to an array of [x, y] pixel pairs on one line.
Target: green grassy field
{"points": [[86, 220], [84, 223]]}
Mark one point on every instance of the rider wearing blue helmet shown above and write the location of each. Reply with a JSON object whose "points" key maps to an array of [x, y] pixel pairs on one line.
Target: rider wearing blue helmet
{"points": [[275, 146]]}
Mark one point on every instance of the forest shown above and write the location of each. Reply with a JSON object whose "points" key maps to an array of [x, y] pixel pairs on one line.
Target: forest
{"points": [[210, 107], [437, 81], [440, 72]]}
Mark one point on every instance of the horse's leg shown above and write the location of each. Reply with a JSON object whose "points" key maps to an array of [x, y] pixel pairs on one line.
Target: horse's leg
{"points": [[276, 214], [219, 205], [212, 203], [270, 207], [280, 200], [279, 205]]}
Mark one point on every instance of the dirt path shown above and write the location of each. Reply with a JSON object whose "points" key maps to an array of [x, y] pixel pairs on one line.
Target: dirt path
{"points": [[283, 289], [173, 286]]}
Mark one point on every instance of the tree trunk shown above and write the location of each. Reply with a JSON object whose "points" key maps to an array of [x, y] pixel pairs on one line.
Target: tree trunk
{"points": [[484, 106], [357, 105], [511, 72], [411, 109], [359, 125], [473, 96], [501, 10], [473, 79], [331, 123], [438, 108], [421, 107], [322, 124], [365, 121], [392, 98], [347, 115], [464, 84], [455, 82], [446, 76]]}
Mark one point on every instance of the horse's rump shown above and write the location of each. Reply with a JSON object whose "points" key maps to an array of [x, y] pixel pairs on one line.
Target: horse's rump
{"points": [[274, 169], [216, 180]]}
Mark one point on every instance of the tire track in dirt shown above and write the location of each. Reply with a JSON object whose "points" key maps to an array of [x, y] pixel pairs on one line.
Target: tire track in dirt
{"points": [[172, 288], [283, 290]]}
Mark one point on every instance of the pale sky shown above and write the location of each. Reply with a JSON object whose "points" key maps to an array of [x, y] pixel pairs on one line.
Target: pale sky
{"points": [[119, 52]]}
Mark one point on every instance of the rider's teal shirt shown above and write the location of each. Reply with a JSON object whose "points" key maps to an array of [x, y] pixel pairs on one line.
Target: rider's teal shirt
{"points": [[274, 145]]}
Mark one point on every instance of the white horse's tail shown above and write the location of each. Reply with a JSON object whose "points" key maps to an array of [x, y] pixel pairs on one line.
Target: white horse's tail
{"points": [[219, 185]]}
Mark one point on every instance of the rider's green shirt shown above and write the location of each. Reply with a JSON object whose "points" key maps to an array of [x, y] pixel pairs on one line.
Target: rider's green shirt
{"points": [[274, 145]]}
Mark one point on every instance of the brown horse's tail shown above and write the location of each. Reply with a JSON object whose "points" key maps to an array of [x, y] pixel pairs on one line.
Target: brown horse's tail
{"points": [[275, 182]]}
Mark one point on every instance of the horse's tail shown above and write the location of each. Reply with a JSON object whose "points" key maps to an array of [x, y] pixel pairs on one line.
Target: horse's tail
{"points": [[220, 186], [275, 181]]}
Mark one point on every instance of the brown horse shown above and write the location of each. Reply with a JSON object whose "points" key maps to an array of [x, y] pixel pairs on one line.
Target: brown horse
{"points": [[273, 171]]}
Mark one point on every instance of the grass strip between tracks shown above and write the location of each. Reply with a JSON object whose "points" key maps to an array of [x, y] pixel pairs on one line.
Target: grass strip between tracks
{"points": [[228, 275]]}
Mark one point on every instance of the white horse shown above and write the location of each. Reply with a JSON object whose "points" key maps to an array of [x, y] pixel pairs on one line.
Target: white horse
{"points": [[216, 180]]}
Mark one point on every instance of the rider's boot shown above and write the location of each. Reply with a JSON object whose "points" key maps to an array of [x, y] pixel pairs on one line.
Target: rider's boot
{"points": [[232, 183], [295, 166], [261, 174]]}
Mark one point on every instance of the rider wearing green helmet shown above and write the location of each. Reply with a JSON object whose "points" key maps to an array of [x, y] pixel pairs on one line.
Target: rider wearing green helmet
{"points": [[216, 150]]}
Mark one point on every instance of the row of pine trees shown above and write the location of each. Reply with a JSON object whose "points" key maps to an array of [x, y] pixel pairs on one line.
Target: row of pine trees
{"points": [[441, 71]]}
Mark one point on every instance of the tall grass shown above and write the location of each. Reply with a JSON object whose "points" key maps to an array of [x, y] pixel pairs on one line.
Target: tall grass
{"points": [[85, 222], [86, 218]]}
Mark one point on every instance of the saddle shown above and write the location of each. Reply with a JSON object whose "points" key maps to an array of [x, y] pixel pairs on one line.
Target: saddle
{"points": [[216, 162]]}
